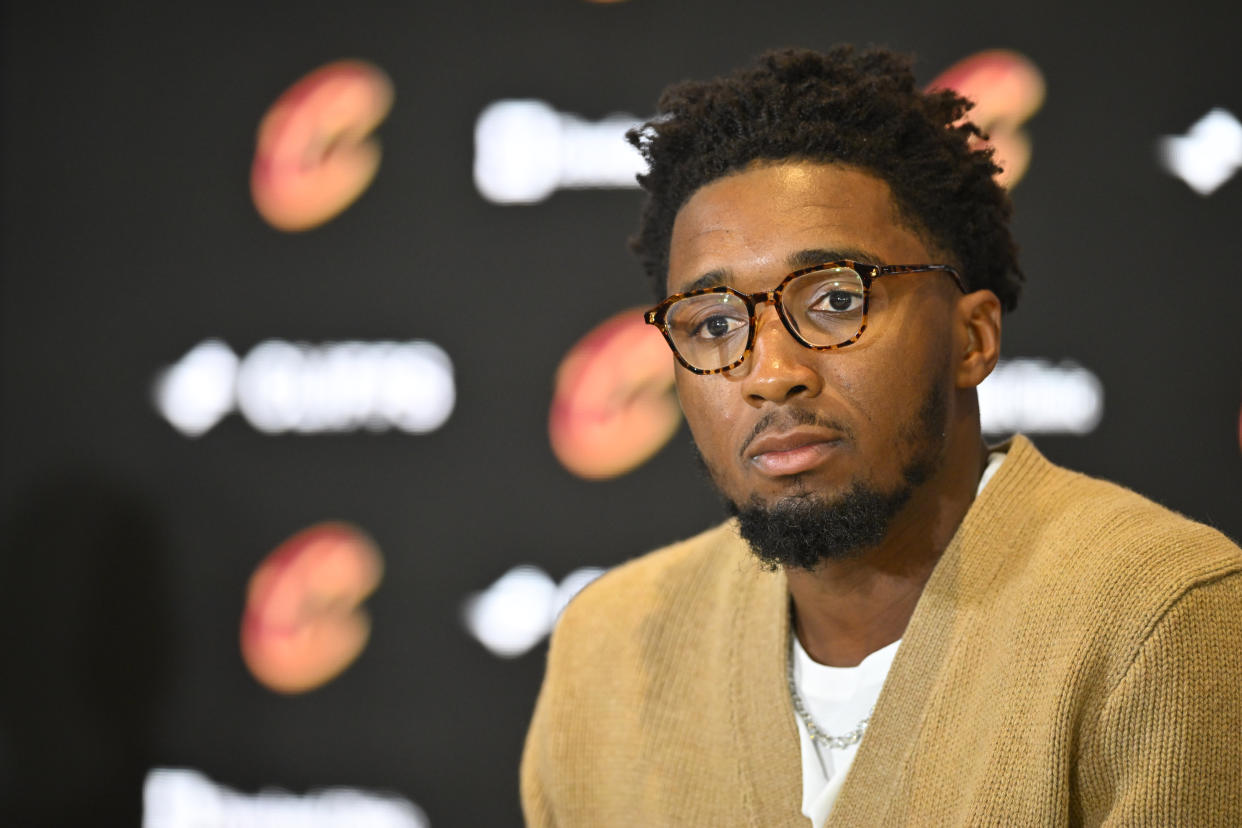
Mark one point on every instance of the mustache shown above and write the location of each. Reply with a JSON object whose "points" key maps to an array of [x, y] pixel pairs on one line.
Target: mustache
{"points": [[787, 418]]}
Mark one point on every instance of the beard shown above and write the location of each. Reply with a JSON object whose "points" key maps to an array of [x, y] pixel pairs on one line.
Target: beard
{"points": [[806, 528]]}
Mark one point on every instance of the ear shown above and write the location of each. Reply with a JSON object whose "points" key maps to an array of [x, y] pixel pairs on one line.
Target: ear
{"points": [[977, 331]]}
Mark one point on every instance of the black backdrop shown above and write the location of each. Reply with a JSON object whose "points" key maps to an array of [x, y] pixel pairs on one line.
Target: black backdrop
{"points": [[129, 237]]}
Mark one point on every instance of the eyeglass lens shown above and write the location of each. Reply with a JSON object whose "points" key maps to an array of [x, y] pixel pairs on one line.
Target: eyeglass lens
{"points": [[824, 307]]}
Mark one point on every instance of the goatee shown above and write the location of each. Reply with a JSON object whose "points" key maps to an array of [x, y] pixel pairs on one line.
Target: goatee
{"points": [[804, 530]]}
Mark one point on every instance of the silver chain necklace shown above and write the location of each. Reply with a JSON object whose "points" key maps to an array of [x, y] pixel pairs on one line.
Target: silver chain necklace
{"points": [[817, 735]]}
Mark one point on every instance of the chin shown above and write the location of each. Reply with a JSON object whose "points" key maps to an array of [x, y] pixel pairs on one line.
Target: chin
{"points": [[805, 529]]}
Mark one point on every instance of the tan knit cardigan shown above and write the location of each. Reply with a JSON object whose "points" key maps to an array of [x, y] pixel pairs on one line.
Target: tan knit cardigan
{"points": [[1075, 659]]}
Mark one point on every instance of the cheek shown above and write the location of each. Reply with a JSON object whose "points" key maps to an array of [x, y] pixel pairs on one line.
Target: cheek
{"points": [[705, 403], [881, 384], [905, 367], [690, 398]]}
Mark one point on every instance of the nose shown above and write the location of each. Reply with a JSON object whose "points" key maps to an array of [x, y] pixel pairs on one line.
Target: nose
{"points": [[779, 367]]}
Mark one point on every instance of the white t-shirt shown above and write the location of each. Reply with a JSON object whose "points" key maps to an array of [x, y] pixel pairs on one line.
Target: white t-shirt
{"points": [[838, 698]]}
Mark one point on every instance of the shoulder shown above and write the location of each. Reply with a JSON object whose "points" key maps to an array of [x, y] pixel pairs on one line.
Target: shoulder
{"points": [[1103, 531], [1088, 558], [677, 584], [690, 559]]}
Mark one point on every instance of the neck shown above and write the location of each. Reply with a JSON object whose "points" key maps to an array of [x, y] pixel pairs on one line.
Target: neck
{"points": [[844, 610]]}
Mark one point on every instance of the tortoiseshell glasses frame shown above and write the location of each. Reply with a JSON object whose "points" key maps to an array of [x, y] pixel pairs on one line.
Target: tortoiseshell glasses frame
{"points": [[866, 273]]}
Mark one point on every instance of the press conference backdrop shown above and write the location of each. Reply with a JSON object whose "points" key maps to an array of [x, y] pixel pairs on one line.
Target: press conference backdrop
{"points": [[282, 336]]}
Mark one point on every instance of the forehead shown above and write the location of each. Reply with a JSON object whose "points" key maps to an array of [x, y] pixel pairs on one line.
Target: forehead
{"points": [[748, 226]]}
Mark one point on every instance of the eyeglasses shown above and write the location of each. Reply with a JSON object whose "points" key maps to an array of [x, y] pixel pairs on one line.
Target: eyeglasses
{"points": [[824, 307]]}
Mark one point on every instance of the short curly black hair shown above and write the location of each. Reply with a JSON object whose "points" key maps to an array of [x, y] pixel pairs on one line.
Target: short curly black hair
{"points": [[858, 108]]}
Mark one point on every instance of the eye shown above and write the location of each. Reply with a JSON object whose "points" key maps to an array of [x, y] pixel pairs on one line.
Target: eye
{"points": [[838, 299], [716, 326], [707, 318]]}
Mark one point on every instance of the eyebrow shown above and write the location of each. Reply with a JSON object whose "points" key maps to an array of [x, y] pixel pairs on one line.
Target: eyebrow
{"points": [[795, 261], [814, 256], [710, 279]]}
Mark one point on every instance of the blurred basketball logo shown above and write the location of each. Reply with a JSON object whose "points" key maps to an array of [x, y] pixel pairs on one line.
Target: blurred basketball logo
{"points": [[1007, 89], [613, 406], [303, 623], [315, 154]]}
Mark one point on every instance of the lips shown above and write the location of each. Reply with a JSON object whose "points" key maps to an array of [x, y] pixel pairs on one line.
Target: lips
{"points": [[778, 454]]}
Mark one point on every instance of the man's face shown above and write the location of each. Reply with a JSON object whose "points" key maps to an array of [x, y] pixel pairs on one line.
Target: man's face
{"points": [[792, 426]]}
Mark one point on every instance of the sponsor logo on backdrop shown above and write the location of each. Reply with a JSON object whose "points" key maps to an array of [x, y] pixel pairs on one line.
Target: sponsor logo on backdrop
{"points": [[304, 622], [524, 150], [1035, 396], [1208, 154], [184, 798], [518, 611], [314, 154], [297, 387], [613, 406]]}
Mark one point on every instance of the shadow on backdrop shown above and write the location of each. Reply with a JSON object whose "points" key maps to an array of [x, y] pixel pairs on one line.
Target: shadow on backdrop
{"points": [[87, 622]]}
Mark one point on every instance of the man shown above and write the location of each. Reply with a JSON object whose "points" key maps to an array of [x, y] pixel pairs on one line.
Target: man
{"points": [[899, 626]]}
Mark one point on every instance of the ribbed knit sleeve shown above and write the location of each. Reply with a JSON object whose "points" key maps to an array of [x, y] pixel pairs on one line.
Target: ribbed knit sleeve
{"points": [[1167, 746], [536, 809]]}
